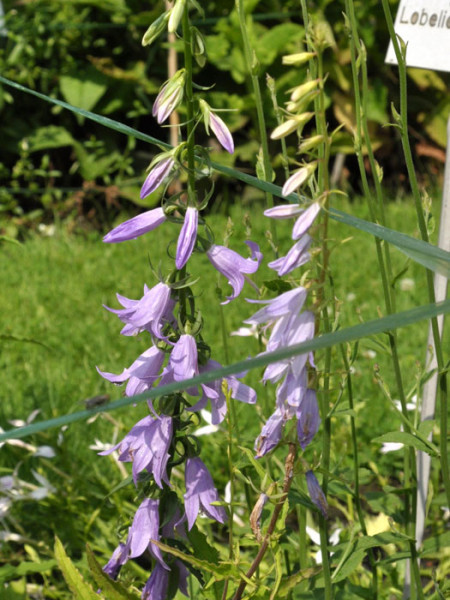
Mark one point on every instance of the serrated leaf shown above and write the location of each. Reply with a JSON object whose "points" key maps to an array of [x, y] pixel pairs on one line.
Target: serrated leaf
{"points": [[78, 586], [202, 548], [408, 439], [113, 590], [255, 463], [293, 580], [220, 571]]}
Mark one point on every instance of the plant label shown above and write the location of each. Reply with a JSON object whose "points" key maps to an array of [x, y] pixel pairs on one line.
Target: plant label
{"points": [[424, 25]]}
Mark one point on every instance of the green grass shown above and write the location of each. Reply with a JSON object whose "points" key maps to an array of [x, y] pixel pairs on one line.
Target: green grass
{"points": [[53, 291]]}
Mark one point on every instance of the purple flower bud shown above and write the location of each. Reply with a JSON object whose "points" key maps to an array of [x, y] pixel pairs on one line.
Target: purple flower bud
{"points": [[284, 211], [305, 220], [292, 389], [157, 176], [200, 492], [187, 237], [316, 494], [169, 97], [133, 228], [297, 256], [308, 418], [270, 434], [221, 132], [157, 584], [232, 265]]}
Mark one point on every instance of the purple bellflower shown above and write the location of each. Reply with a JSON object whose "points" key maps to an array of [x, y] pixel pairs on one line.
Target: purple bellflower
{"points": [[142, 374], [308, 418], [147, 446], [169, 97], [156, 176], [306, 217], [133, 228], [145, 527], [200, 492], [292, 389], [119, 557], [284, 211], [157, 585], [187, 237], [221, 132], [297, 256], [239, 391], [270, 434], [316, 494], [233, 266], [149, 313], [288, 303]]}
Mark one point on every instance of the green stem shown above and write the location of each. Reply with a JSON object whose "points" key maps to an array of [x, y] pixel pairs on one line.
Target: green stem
{"points": [[443, 395], [190, 125]]}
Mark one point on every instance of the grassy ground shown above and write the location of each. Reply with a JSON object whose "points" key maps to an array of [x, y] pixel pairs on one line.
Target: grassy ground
{"points": [[53, 291]]}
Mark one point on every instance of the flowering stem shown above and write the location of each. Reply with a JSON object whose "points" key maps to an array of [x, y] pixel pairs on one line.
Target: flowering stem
{"points": [[443, 395], [288, 477], [231, 422]]}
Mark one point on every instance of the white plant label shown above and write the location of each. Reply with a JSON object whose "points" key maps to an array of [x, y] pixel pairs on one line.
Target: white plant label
{"points": [[424, 25]]}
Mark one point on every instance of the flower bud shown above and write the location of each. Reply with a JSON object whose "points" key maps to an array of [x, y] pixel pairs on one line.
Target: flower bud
{"points": [[302, 90], [316, 494], [219, 128], [169, 97], [298, 178], [291, 125], [198, 47], [311, 144], [175, 15], [155, 29], [298, 59]]}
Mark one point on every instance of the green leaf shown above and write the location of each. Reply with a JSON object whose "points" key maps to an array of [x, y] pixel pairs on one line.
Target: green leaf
{"points": [[328, 340], [79, 588], [202, 548], [407, 439], [436, 543], [83, 90], [9, 572], [113, 590], [51, 136], [219, 571], [291, 582]]}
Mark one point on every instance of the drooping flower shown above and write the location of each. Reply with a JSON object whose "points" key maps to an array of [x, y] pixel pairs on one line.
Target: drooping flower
{"points": [[149, 313], [298, 178], [147, 446], [145, 527], [133, 228], [308, 418], [141, 374], [118, 559], [305, 220], [288, 303], [239, 391], [200, 492], [297, 256], [157, 585], [270, 435], [284, 211], [219, 128], [316, 494], [233, 266], [187, 237], [156, 176]]}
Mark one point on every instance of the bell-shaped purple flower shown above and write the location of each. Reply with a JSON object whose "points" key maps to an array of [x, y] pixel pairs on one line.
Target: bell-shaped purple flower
{"points": [[292, 390], [133, 228], [308, 418], [187, 237], [221, 132], [200, 492], [233, 266], [149, 313], [142, 374], [284, 211], [271, 433], [156, 176], [297, 256], [239, 391], [157, 584], [147, 446], [145, 527], [316, 494], [288, 303]]}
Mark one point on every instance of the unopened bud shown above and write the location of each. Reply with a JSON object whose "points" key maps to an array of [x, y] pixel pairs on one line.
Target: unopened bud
{"points": [[298, 59], [298, 178], [175, 15], [155, 29], [311, 144], [291, 125], [198, 47], [169, 97], [316, 494], [302, 90]]}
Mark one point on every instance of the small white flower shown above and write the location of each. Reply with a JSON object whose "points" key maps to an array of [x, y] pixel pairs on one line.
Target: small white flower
{"points": [[407, 284]]}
